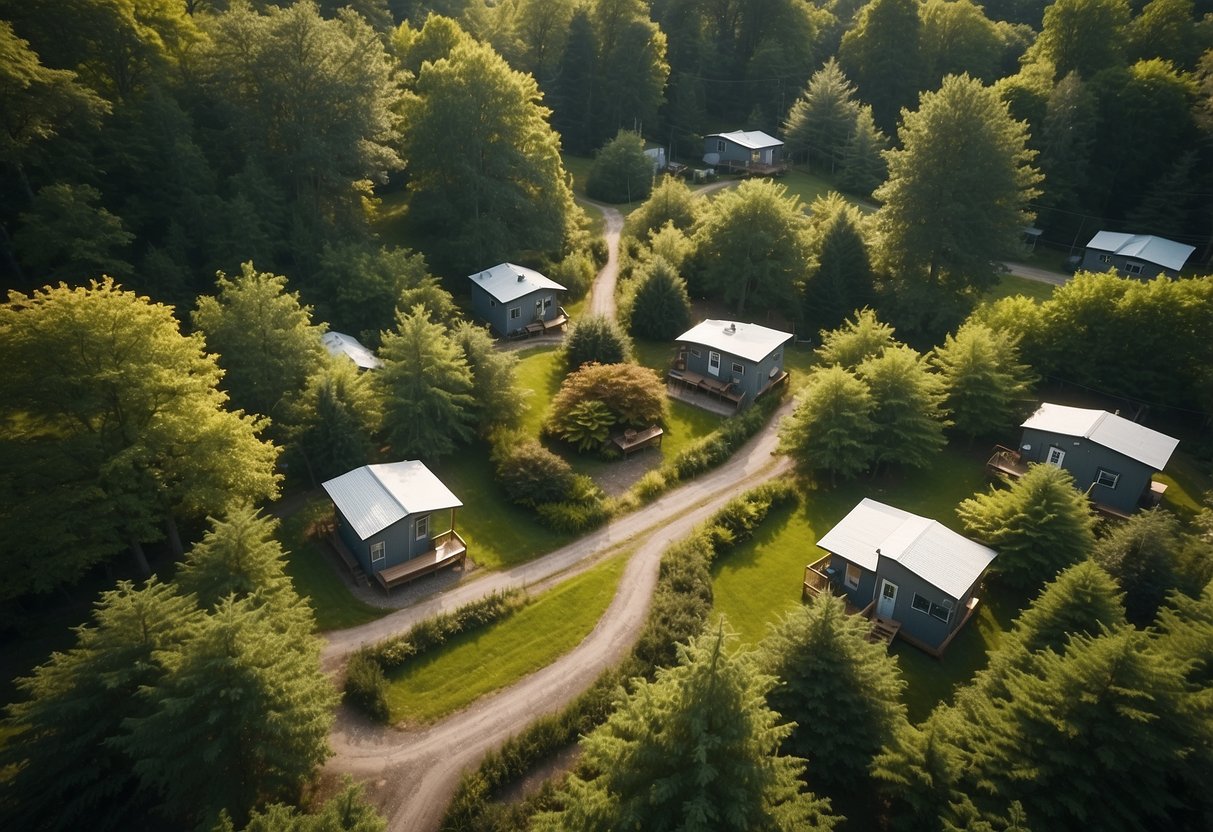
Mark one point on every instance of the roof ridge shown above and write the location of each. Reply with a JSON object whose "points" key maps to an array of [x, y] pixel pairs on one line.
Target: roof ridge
{"points": [[384, 486], [1103, 414]]}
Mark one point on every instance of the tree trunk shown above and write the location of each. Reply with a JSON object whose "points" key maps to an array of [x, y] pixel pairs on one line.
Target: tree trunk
{"points": [[174, 535], [140, 558]]}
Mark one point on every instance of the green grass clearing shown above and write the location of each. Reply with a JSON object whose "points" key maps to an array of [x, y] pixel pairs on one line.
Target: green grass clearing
{"points": [[311, 571], [473, 664], [1009, 285]]}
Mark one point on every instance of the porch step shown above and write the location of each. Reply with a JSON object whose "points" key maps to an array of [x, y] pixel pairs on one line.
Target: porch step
{"points": [[884, 629]]}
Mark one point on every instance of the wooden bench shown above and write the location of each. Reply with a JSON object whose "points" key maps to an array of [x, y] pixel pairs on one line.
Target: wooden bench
{"points": [[633, 440], [448, 551]]}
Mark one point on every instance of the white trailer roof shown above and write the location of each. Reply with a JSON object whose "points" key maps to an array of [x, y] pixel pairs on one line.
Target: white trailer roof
{"points": [[374, 497], [507, 282], [338, 343], [1166, 253], [749, 341], [1103, 428]]}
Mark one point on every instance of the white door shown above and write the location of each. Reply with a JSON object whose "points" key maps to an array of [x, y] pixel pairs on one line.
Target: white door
{"points": [[1056, 455], [888, 600], [714, 363]]}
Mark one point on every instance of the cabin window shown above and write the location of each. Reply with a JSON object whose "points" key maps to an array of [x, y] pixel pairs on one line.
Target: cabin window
{"points": [[515, 313], [1106, 478], [738, 369], [929, 607], [720, 145], [695, 353], [378, 551], [423, 527], [492, 303], [1056, 455], [853, 575], [1105, 258], [1133, 268], [547, 302], [538, 307], [921, 604]]}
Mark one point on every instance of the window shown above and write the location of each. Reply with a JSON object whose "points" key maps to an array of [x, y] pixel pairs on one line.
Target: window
{"points": [[1056, 455], [928, 607], [1133, 268], [378, 551], [1106, 478], [738, 369], [423, 527], [1105, 258], [547, 302], [854, 573], [492, 303], [720, 145], [515, 313], [695, 353], [539, 307]]}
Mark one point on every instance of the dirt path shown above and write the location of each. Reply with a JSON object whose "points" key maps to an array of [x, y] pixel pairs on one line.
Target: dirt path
{"points": [[411, 775], [602, 292], [1039, 275]]}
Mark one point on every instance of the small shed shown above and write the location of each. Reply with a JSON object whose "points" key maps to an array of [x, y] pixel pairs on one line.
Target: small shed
{"points": [[903, 568], [338, 343], [746, 149], [511, 298], [1136, 255], [1111, 458], [386, 521], [735, 361]]}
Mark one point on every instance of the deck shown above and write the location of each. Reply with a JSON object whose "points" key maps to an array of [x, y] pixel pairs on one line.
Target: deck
{"points": [[542, 326], [449, 549], [753, 168], [1006, 462], [694, 388], [820, 580], [631, 441]]}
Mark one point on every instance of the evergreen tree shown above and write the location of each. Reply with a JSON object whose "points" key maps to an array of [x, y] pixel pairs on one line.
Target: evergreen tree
{"points": [[63, 770], [917, 773], [860, 337], [427, 388], [831, 428], [841, 281], [621, 172], [697, 749], [265, 339], [572, 91], [983, 378], [863, 165], [881, 53], [335, 418], [346, 811], [907, 408], [1039, 525], [65, 234], [240, 717], [842, 691], [1067, 136], [822, 118], [1143, 555], [500, 402], [596, 339], [659, 308]]}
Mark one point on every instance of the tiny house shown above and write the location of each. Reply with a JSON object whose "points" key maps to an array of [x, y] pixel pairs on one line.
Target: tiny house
{"points": [[1135, 255], [744, 149], [514, 300], [733, 361]]}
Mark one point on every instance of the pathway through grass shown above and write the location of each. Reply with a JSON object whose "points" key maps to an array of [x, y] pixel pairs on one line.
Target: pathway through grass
{"points": [[474, 664]]}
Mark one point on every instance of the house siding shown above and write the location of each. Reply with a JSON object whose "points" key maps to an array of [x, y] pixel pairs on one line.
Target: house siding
{"points": [[753, 377], [1093, 261], [919, 625], [497, 315], [1083, 459], [399, 542], [733, 152], [859, 596]]}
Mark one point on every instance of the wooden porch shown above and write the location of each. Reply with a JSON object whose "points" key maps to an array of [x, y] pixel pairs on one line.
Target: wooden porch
{"points": [[820, 580], [753, 168], [449, 549], [1006, 462], [705, 391], [539, 327]]}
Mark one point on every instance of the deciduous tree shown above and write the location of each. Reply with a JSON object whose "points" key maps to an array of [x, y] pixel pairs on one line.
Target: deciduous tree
{"points": [[596, 339], [67, 235], [634, 395], [621, 172], [859, 338], [670, 202], [881, 52], [1083, 36]]}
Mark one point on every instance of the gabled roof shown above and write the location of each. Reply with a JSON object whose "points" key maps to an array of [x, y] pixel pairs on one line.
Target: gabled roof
{"points": [[749, 341], [1103, 428], [507, 282], [935, 553], [749, 139], [338, 343], [1159, 250], [374, 497]]}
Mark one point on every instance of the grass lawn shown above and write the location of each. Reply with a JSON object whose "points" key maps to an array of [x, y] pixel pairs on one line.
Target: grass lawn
{"points": [[444, 680], [759, 580], [1187, 481], [312, 572], [540, 371], [1009, 285]]}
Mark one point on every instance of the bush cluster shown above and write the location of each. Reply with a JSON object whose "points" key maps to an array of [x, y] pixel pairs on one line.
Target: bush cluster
{"points": [[681, 605], [365, 680], [529, 473], [714, 449]]}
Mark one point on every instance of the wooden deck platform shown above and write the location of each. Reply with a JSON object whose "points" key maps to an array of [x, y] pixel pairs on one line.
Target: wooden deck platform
{"points": [[634, 440], [540, 327], [724, 391], [753, 168], [449, 549], [884, 629], [1005, 462]]}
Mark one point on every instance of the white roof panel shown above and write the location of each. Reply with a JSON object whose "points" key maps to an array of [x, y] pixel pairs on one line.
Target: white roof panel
{"points": [[749, 139], [1135, 441], [374, 497], [935, 553], [749, 341], [1166, 253], [507, 282], [338, 343]]}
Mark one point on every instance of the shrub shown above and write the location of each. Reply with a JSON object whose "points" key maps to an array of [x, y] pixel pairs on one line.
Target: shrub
{"points": [[621, 172], [719, 445], [596, 339], [650, 486], [586, 424], [529, 473], [365, 685], [574, 516], [635, 395], [576, 271]]}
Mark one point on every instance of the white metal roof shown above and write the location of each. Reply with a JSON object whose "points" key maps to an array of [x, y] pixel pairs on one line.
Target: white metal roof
{"points": [[1166, 253], [1103, 428], [507, 282], [374, 497], [338, 343], [749, 341], [935, 553], [749, 139]]}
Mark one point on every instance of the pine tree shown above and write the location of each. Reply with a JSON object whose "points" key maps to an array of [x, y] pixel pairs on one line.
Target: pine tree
{"points": [[822, 118], [842, 691], [241, 716], [697, 749], [500, 402], [859, 338], [1039, 526], [1143, 555], [863, 165], [335, 418], [427, 388], [63, 770], [984, 378], [659, 308], [841, 280], [831, 428], [599, 339], [907, 407], [917, 772], [670, 202]]}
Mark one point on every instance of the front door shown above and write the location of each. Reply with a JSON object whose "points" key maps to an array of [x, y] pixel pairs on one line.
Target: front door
{"points": [[1056, 455], [714, 363], [888, 600]]}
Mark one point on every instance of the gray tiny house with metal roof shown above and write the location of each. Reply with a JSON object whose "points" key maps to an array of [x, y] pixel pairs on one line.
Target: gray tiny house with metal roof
{"points": [[909, 573], [1135, 255], [510, 298], [744, 147], [1112, 459], [735, 360], [386, 517]]}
